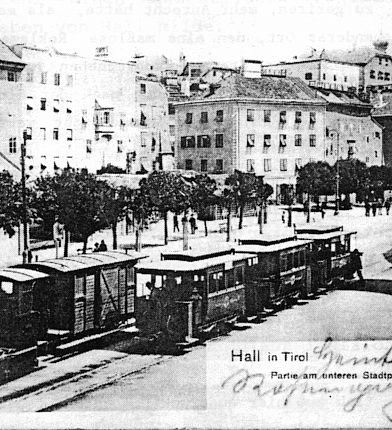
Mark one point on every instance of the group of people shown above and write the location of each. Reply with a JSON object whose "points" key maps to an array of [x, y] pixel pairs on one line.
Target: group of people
{"points": [[376, 206], [192, 223], [100, 247]]}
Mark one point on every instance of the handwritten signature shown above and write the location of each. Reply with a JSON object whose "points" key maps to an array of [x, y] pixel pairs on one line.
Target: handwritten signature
{"points": [[243, 380]]}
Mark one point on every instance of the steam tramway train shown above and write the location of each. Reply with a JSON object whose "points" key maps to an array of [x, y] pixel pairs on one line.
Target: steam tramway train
{"points": [[185, 295]]}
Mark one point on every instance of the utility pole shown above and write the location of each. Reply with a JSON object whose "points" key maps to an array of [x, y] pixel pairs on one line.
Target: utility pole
{"points": [[24, 202], [337, 173]]}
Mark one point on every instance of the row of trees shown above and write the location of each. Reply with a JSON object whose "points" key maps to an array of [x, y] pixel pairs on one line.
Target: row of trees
{"points": [[84, 204], [319, 179]]}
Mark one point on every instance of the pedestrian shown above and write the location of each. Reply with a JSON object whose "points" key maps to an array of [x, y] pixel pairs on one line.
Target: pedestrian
{"points": [[374, 208], [367, 208], [96, 247], [322, 212], [356, 263], [29, 256], [283, 217], [387, 206], [175, 223], [102, 247], [192, 222], [380, 205]]}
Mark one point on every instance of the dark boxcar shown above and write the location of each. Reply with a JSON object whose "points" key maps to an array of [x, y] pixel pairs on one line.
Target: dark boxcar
{"points": [[330, 257], [280, 273], [89, 292], [23, 316], [189, 290]]}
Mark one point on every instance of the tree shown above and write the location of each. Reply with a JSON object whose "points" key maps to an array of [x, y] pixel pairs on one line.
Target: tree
{"points": [[78, 199], [114, 206], [315, 179], [379, 179], [10, 204], [141, 208], [353, 177], [166, 192], [203, 196], [263, 191], [110, 168]]}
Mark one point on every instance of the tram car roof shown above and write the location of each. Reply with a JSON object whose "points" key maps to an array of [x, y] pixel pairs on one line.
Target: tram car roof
{"points": [[199, 253], [21, 275], [176, 266], [268, 243], [84, 261], [321, 232]]}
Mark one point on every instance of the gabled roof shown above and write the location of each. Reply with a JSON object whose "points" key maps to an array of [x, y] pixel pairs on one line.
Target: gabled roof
{"points": [[265, 87], [8, 56], [360, 56], [342, 98]]}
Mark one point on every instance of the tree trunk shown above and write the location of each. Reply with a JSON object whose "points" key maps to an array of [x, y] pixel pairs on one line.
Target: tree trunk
{"points": [[66, 243], [309, 208], [165, 226], [290, 218], [114, 232], [265, 213], [261, 219], [241, 216], [138, 243], [205, 228], [85, 244], [228, 224]]}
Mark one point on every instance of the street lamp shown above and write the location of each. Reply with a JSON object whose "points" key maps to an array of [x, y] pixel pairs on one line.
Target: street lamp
{"points": [[24, 202], [337, 171]]}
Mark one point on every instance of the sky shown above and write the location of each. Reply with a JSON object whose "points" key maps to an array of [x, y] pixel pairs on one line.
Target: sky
{"points": [[226, 31]]}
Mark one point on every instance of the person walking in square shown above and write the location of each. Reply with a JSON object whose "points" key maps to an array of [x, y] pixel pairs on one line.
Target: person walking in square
{"points": [[379, 206], [367, 208], [387, 206], [192, 222], [374, 208], [175, 223]]}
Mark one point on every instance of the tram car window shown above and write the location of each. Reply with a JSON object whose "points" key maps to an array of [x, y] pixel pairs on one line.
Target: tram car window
{"points": [[88, 293], [331, 260], [207, 284]]}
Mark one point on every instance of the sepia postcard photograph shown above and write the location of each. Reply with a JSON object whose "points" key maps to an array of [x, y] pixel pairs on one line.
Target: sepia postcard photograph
{"points": [[195, 214]]}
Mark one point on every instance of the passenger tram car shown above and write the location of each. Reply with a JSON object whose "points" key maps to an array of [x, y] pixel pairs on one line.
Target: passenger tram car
{"points": [[188, 293], [281, 272], [330, 256]]}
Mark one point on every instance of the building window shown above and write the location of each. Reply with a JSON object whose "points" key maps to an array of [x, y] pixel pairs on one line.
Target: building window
{"points": [[250, 140], [56, 105], [312, 120], [172, 109], [324, 76], [282, 143], [308, 76], [298, 163], [219, 141], [250, 165], [312, 140], [203, 141], [267, 165], [387, 76], [376, 154], [283, 164], [69, 80], [380, 76], [367, 159], [298, 140], [266, 143], [188, 119], [188, 142], [250, 115], [29, 76], [203, 165], [12, 145], [204, 117], [29, 132], [69, 134], [69, 106], [298, 118], [195, 73], [143, 139], [29, 103], [172, 130], [119, 146], [106, 118], [142, 88], [282, 119], [55, 134], [11, 76], [88, 146], [334, 78], [372, 74], [44, 77], [219, 165], [219, 116], [267, 115], [43, 104], [43, 133], [57, 79], [377, 134], [188, 164]]}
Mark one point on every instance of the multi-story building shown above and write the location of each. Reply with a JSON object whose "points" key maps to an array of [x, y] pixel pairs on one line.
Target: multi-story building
{"points": [[382, 113], [365, 69], [270, 126], [11, 115], [154, 151]]}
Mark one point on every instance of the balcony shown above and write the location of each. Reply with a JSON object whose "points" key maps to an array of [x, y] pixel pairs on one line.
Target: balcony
{"points": [[104, 128]]}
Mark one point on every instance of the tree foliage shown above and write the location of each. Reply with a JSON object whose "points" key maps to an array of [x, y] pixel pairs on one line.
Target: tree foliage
{"points": [[316, 179], [353, 176], [10, 203]]}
